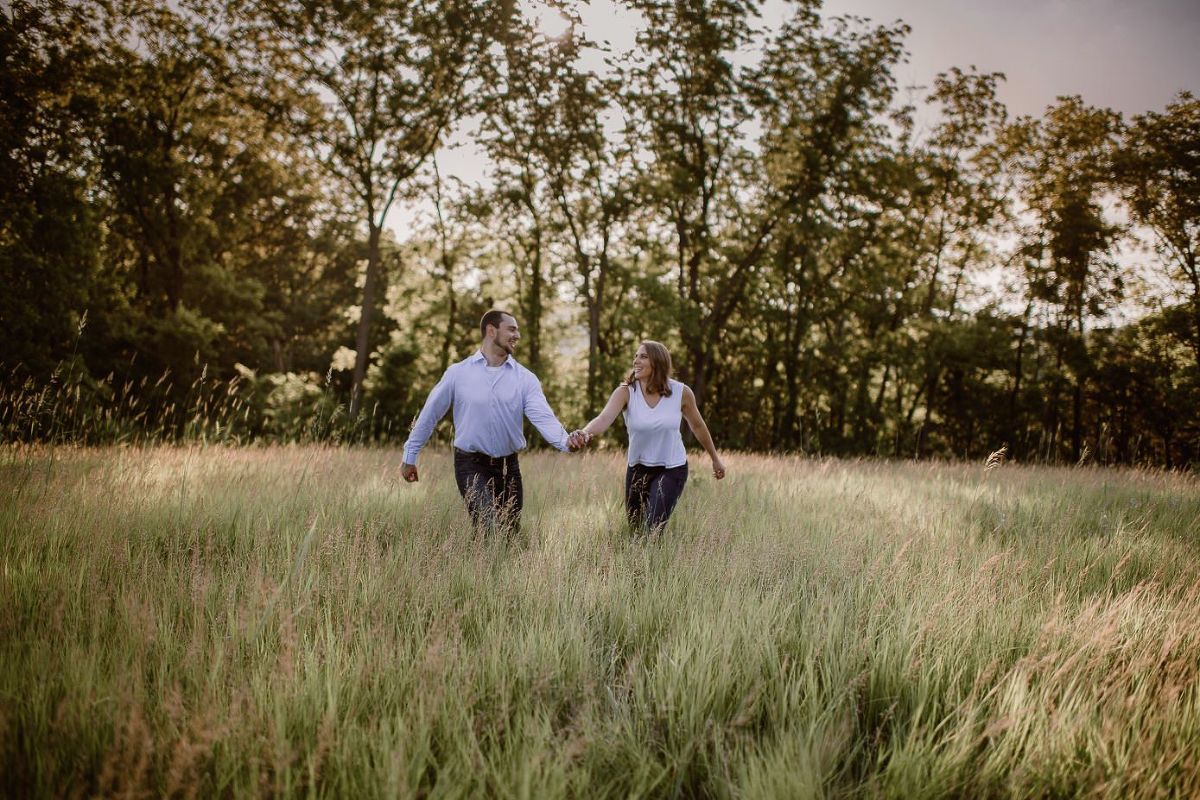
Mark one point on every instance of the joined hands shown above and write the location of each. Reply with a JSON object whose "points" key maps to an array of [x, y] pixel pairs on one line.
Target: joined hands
{"points": [[577, 440]]}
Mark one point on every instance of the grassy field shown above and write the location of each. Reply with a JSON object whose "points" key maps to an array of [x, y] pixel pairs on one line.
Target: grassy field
{"points": [[298, 621]]}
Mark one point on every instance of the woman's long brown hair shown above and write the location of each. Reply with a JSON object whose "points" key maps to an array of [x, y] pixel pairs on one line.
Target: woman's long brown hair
{"points": [[660, 369]]}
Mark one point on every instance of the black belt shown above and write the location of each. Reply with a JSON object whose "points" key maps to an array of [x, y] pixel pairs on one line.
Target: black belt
{"points": [[484, 458]]}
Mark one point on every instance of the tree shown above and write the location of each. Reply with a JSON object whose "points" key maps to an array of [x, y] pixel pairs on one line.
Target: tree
{"points": [[1064, 167], [50, 235], [1159, 167], [687, 110], [958, 203], [592, 181], [824, 198], [211, 208], [517, 105], [393, 76]]}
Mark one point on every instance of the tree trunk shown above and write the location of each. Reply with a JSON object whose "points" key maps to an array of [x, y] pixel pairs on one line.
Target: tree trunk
{"points": [[1192, 271], [1019, 368], [362, 342], [597, 341], [1016, 421], [447, 270], [862, 425], [1052, 423], [787, 437], [788, 433], [700, 368], [534, 324], [593, 375], [1077, 404], [451, 315], [174, 251], [1077, 421]]}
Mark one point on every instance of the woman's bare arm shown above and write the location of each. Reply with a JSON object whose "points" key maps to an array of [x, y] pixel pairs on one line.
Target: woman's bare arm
{"points": [[614, 406], [691, 412]]}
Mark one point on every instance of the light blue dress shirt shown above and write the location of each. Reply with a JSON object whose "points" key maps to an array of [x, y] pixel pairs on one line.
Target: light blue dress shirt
{"points": [[488, 407]]}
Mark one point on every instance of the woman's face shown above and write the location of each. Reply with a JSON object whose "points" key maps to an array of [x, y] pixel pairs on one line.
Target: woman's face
{"points": [[641, 364]]}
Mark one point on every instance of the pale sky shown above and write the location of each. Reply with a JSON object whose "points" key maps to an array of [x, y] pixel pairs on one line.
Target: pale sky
{"points": [[1127, 55]]}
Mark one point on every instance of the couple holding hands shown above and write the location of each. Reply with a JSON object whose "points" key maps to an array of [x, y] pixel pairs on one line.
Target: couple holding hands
{"points": [[490, 392]]}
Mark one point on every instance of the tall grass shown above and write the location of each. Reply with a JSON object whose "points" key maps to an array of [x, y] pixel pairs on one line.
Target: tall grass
{"points": [[297, 621], [73, 407]]}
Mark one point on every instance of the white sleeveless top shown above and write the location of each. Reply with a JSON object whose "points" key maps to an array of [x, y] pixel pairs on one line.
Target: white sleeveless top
{"points": [[654, 438]]}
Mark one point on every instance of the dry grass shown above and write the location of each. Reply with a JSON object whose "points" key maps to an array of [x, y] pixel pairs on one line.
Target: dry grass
{"points": [[296, 620]]}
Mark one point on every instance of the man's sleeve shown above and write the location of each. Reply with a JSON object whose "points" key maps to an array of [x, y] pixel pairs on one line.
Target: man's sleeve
{"points": [[435, 408], [537, 409]]}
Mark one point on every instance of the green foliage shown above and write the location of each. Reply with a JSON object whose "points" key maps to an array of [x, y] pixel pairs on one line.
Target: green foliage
{"points": [[49, 232], [838, 267], [389, 79], [1159, 167], [393, 388]]}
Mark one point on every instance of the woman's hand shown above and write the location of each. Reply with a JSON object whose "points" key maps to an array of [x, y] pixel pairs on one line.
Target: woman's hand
{"points": [[718, 468]]}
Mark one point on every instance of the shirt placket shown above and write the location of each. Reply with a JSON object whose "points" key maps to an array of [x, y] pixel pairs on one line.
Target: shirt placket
{"points": [[499, 409]]}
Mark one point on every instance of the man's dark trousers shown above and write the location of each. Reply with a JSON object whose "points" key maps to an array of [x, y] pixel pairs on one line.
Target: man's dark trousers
{"points": [[492, 489]]}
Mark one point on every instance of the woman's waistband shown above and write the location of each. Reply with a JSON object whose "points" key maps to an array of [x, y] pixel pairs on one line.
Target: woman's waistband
{"points": [[664, 467]]}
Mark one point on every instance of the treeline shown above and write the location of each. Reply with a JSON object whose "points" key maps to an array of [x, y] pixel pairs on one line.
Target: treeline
{"points": [[199, 200]]}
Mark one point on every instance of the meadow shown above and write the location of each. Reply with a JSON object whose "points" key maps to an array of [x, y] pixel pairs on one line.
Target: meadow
{"points": [[298, 621]]}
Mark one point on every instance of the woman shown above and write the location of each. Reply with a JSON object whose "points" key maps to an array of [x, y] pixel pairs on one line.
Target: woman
{"points": [[654, 405]]}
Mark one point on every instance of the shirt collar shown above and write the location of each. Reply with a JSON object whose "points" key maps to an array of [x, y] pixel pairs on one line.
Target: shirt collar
{"points": [[479, 356]]}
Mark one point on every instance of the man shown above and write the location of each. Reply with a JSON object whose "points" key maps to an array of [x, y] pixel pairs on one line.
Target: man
{"points": [[490, 393]]}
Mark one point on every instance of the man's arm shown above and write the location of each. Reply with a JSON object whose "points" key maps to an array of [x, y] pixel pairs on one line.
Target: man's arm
{"points": [[537, 408], [436, 406]]}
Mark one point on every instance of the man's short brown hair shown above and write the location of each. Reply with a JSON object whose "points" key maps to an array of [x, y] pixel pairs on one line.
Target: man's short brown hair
{"points": [[493, 318]]}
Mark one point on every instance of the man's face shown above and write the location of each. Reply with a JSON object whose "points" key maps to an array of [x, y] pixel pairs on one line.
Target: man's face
{"points": [[507, 334]]}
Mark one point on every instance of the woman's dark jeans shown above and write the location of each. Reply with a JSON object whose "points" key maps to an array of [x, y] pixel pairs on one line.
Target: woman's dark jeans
{"points": [[492, 488], [651, 494]]}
